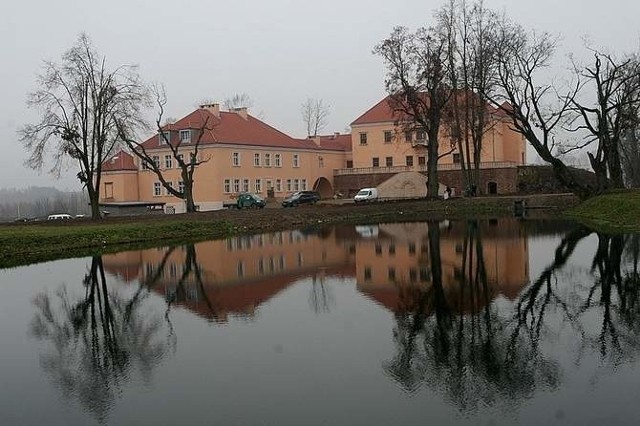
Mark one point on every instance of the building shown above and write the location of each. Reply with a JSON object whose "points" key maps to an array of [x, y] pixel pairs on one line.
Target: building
{"points": [[382, 146], [240, 153]]}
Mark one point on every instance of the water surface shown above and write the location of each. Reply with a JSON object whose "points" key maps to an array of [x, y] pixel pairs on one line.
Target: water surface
{"points": [[496, 322]]}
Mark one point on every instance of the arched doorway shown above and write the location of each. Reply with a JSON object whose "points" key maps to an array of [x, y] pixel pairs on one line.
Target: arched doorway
{"points": [[492, 188], [323, 186]]}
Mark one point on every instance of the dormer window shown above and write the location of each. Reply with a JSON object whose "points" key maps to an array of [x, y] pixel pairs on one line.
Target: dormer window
{"points": [[185, 136], [164, 138]]}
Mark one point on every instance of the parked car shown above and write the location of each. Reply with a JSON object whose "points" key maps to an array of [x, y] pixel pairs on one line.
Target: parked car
{"points": [[59, 217], [302, 197], [366, 195], [249, 200]]}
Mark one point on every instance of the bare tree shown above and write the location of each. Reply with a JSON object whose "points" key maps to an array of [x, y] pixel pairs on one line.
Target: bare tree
{"points": [[314, 114], [238, 100], [418, 87], [187, 165], [609, 111], [80, 100], [470, 30]]}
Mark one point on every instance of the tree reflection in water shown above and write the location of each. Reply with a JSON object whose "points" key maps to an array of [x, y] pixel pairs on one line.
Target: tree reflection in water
{"points": [[452, 339], [99, 342], [456, 340]]}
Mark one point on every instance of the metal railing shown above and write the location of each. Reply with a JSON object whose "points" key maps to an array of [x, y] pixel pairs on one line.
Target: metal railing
{"points": [[419, 168]]}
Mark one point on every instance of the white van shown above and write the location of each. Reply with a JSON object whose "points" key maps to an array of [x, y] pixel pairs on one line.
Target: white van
{"points": [[59, 217], [366, 195]]}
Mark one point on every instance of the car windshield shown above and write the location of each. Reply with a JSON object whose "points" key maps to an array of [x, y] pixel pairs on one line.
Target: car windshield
{"points": [[363, 192]]}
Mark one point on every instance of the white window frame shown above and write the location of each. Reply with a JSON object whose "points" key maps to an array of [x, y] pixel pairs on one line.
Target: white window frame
{"points": [[227, 186], [289, 185], [245, 185], [278, 185], [258, 186], [256, 159], [236, 186], [235, 159], [166, 191], [303, 185], [185, 136], [156, 160], [157, 189], [276, 160], [180, 186], [267, 160], [161, 138], [296, 184], [168, 161], [296, 160]]}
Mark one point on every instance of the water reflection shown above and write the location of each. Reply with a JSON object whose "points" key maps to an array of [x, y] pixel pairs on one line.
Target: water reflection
{"points": [[469, 323], [97, 341]]}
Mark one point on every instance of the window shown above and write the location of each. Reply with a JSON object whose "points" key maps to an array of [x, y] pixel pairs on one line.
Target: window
{"points": [[258, 186], [267, 160], [156, 160], [320, 161], [363, 138], [408, 136], [456, 158], [185, 136], [236, 185], [422, 160], [157, 189], [180, 186], [410, 160], [392, 249], [235, 159], [296, 160], [375, 162], [289, 185], [378, 249], [144, 164], [245, 185], [304, 185], [166, 190], [227, 186], [269, 184], [276, 160], [388, 136], [108, 190], [392, 274], [296, 185], [256, 159], [420, 135], [389, 161], [180, 157], [349, 164], [168, 161], [164, 138], [278, 185], [367, 273]]}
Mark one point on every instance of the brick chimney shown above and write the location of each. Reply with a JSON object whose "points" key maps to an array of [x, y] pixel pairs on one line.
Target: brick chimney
{"points": [[212, 108], [241, 111]]}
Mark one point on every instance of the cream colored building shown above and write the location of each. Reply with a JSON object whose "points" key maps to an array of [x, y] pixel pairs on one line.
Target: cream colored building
{"points": [[239, 153]]}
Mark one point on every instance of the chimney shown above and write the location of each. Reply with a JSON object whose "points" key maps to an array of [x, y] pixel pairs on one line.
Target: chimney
{"points": [[335, 135], [315, 140], [212, 108], [242, 112]]}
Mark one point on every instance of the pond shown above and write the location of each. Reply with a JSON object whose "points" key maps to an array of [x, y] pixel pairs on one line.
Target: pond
{"points": [[480, 322]]}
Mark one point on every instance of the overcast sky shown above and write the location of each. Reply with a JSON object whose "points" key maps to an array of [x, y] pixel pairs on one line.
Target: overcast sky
{"points": [[279, 52]]}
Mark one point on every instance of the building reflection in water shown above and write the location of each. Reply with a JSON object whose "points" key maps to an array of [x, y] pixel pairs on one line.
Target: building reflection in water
{"points": [[218, 279]]}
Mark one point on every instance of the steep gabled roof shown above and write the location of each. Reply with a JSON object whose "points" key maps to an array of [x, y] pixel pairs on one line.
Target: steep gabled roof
{"points": [[379, 113], [229, 128]]}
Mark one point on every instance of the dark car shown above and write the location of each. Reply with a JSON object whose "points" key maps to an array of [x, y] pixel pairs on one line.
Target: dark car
{"points": [[302, 197], [248, 200]]}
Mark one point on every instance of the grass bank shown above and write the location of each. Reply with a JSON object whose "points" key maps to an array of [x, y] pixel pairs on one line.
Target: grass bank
{"points": [[36, 242], [612, 212]]}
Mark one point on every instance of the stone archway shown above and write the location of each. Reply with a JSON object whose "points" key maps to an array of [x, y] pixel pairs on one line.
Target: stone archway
{"points": [[324, 187]]}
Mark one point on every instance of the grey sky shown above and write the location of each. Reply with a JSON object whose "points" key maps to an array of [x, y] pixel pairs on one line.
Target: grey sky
{"points": [[279, 52]]}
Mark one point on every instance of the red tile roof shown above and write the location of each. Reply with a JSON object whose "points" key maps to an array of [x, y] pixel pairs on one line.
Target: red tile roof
{"points": [[230, 128], [120, 161], [382, 112]]}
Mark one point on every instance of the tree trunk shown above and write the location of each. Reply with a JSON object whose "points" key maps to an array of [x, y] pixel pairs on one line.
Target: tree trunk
{"points": [[94, 201], [188, 197], [432, 165]]}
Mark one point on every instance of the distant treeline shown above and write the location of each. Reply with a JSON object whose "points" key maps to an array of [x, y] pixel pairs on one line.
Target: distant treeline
{"points": [[39, 202]]}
